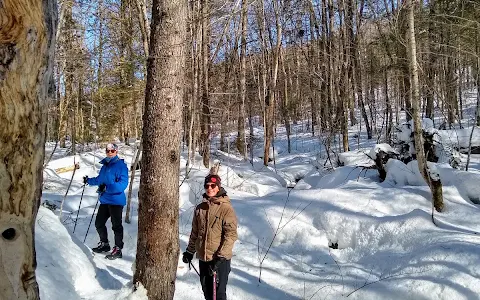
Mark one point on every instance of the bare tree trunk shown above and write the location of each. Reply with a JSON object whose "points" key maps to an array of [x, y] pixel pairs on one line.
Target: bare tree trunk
{"points": [[157, 246], [195, 34], [224, 113], [330, 52], [132, 179], [65, 18], [433, 181], [298, 91], [251, 128], [26, 63], [286, 103], [477, 108], [430, 76], [97, 112], [388, 111], [131, 79], [477, 78], [241, 144], [403, 66], [371, 102], [65, 113], [144, 23], [451, 87], [344, 93], [205, 97], [358, 75], [461, 74], [350, 42], [262, 78], [270, 104], [312, 60]]}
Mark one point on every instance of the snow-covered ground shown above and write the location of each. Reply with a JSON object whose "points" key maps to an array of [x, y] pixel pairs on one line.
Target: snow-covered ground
{"points": [[388, 247]]}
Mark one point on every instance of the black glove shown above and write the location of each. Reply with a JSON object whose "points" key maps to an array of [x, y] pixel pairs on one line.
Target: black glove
{"points": [[101, 188], [85, 178], [187, 257], [215, 264]]}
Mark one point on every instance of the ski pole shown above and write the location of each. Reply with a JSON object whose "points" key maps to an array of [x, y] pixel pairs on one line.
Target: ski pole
{"points": [[215, 285], [190, 265], [91, 219], [81, 197]]}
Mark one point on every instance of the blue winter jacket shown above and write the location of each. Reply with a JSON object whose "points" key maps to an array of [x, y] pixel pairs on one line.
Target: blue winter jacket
{"points": [[114, 174]]}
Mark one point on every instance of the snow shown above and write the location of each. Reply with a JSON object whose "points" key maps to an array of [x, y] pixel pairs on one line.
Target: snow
{"points": [[467, 183], [406, 129], [459, 137], [388, 247], [356, 158], [381, 147], [364, 157]]}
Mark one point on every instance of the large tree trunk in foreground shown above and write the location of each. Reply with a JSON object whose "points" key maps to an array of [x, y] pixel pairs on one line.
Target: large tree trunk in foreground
{"points": [[433, 180], [157, 247], [26, 60]]}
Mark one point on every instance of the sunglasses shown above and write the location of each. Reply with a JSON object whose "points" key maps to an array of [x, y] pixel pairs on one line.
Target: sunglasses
{"points": [[212, 186], [111, 151]]}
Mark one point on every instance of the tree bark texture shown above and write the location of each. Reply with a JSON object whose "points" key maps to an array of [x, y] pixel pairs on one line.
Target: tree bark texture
{"points": [[157, 246], [144, 23], [435, 185], [27, 37], [68, 73], [270, 101], [430, 76], [241, 143], [402, 53], [204, 84]]}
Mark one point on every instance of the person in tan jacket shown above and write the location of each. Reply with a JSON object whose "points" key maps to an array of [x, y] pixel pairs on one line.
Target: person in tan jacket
{"points": [[214, 232]]}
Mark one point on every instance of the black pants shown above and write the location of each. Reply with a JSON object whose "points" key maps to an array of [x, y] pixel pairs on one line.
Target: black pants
{"points": [[207, 280], [110, 211]]}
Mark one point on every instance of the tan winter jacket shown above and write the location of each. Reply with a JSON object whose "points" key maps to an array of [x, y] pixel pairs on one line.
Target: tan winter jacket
{"points": [[214, 228]]}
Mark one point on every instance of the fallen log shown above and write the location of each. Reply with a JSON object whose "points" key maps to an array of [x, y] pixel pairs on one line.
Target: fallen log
{"points": [[67, 169]]}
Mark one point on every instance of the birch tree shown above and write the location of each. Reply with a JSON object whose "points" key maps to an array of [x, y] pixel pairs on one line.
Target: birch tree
{"points": [[433, 180]]}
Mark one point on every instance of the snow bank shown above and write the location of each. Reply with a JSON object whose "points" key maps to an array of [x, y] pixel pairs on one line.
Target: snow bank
{"points": [[381, 147], [61, 261], [259, 152], [127, 293], [356, 158], [365, 233], [243, 178], [459, 137], [467, 183], [364, 157], [402, 174], [343, 175], [405, 133]]}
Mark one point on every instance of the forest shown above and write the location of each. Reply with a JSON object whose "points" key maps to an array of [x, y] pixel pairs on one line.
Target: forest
{"points": [[259, 87]]}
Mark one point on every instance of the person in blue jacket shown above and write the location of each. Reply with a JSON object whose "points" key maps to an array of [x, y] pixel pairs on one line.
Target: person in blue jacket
{"points": [[112, 182]]}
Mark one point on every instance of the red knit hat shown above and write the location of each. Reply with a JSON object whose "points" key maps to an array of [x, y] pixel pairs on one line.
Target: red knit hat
{"points": [[213, 179]]}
